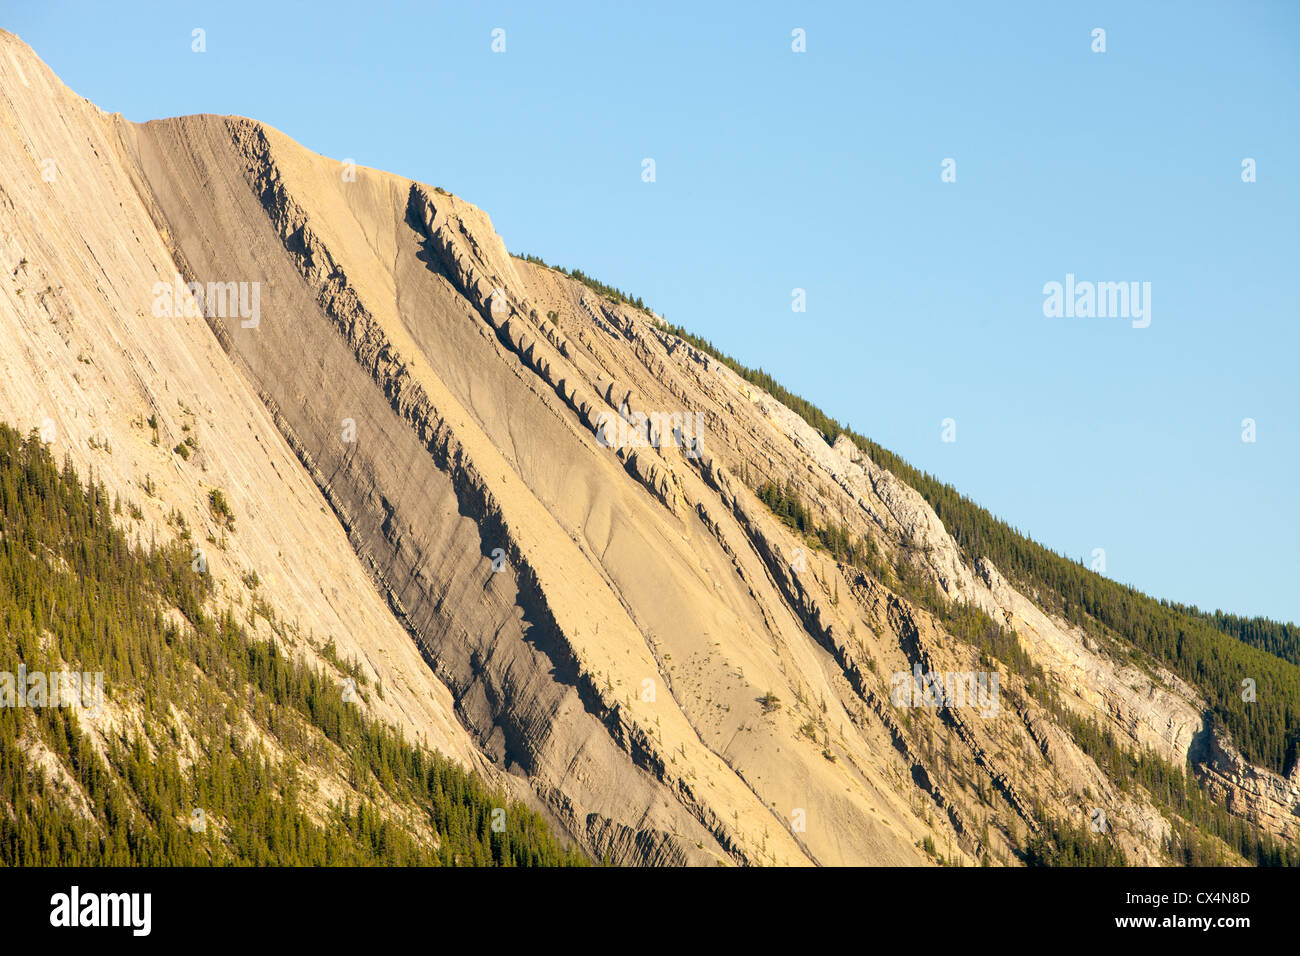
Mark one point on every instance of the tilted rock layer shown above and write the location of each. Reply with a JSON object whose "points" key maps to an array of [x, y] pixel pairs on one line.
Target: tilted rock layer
{"points": [[529, 510]]}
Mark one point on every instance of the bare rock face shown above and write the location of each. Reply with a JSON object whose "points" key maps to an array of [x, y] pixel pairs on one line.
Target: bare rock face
{"points": [[416, 433], [1249, 791], [85, 359]]}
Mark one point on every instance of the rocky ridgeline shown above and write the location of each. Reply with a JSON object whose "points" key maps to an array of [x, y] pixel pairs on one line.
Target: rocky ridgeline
{"points": [[620, 632], [494, 292]]}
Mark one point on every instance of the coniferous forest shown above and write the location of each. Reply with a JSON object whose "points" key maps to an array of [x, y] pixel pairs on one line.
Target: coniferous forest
{"points": [[210, 740]]}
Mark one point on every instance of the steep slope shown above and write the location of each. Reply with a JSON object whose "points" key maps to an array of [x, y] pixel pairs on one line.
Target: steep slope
{"points": [[574, 515], [85, 362]]}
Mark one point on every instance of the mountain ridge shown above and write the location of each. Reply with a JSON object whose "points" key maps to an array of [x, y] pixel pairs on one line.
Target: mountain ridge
{"points": [[396, 307]]}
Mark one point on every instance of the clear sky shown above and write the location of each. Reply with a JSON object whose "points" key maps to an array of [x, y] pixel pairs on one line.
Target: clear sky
{"points": [[821, 170]]}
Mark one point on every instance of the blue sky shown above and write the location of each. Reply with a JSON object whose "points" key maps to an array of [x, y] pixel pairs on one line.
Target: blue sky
{"points": [[821, 170]]}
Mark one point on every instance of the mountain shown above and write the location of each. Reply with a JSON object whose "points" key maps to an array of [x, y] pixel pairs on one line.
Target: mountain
{"points": [[607, 572]]}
